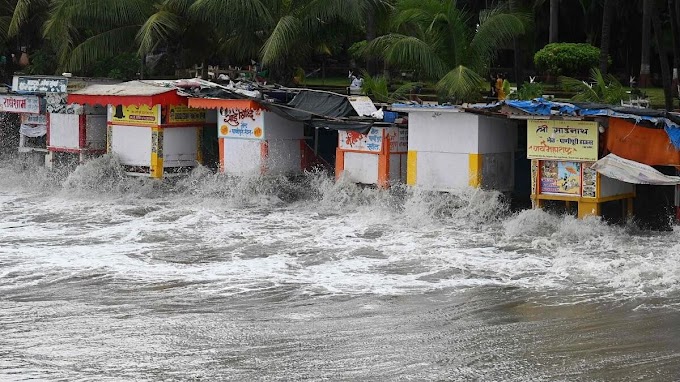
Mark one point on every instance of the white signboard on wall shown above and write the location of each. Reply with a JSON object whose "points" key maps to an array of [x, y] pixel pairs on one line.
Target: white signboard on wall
{"points": [[19, 104], [241, 124]]}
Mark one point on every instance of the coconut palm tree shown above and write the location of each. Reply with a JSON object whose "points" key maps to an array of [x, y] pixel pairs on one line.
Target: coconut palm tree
{"points": [[645, 67], [303, 27], [437, 39], [608, 8], [83, 31]]}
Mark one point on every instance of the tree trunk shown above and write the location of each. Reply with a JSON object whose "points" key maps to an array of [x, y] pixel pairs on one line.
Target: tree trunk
{"points": [[554, 20], [676, 43], [606, 35], [371, 33], [518, 62], [645, 70], [663, 58]]}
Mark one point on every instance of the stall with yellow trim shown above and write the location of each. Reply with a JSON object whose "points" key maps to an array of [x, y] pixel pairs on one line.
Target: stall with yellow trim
{"points": [[450, 148], [149, 126], [562, 153]]}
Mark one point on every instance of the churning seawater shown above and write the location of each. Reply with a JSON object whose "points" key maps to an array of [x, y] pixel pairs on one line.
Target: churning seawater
{"points": [[106, 277]]}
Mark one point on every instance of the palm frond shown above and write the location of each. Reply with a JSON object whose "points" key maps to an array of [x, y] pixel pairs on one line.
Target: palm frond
{"points": [[496, 29], [461, 84], [160, 26], [283, 39], [228, 15], [100, 46], [408, 52], [21, 14]]}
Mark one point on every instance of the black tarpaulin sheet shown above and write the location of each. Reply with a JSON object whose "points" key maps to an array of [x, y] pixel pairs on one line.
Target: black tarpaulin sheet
{"points": [[323, 110]]}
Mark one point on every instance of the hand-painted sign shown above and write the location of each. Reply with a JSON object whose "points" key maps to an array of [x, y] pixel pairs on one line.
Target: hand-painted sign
{"points": [[19, 104], [352, 140], [241, 123], [183, 114], [559, 177], [39, 85], [567, 140], [34, 119], [135, 115]]}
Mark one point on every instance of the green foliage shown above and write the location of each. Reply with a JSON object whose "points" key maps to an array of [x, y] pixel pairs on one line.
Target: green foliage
{"points": [[378, 89], [123, 67], [42, 62], [567, 59], [528, 91], [601, 89], [357, 49], [435, 39]]}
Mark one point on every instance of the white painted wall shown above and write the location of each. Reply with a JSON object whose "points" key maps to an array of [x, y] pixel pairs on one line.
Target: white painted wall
{"points": [[132, 144], [179, 146], [64, 131], [443, 132], [361, 168], [442, 171], [95, 131], [242, 156]]}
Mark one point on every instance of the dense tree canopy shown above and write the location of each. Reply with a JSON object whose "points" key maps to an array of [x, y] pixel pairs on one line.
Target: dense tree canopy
{"points": [[451, 44]]}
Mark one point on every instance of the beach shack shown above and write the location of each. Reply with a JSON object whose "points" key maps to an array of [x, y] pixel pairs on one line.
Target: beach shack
{"points": [[149, 126], [376, 156], [29, 99], [253, 140], [450, 148], [562, 154], [592, 154]]}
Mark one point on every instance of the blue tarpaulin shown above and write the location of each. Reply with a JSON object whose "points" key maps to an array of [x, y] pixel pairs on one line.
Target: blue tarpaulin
{"points": [[540, 106]]}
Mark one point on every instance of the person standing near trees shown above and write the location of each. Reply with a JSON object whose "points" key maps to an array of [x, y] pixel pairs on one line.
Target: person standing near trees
{"points": [[499, 87]]}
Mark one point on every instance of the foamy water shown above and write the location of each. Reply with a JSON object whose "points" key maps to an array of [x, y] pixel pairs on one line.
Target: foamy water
{"points": [[85, 242]]}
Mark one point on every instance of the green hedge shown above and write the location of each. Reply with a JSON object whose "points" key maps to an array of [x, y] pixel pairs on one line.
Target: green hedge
{"points": [[567, 59]]}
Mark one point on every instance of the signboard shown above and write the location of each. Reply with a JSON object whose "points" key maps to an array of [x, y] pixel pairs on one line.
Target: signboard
{"points": [[566, 140], [39, 85], [363, 105], [241, 123], [398, 139], [559, 177], [19, 104], [352, 140], [34, 119], [135, 115], [183, 114]]}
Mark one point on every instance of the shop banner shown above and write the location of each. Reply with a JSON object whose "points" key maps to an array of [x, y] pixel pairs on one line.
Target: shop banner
{"points": [[561, 178], [629, 171], [19, 104], [565, 140], [183, 114], [241, 123], [39, 85], [135, 115]]}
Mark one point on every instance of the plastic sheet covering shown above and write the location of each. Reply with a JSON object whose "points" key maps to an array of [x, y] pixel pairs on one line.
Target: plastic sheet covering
{"points": [[629, 171], [642, 144], [33, 131]]}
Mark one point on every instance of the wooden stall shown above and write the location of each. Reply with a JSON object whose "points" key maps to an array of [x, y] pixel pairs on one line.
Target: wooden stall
{"points": [[562, 153]]}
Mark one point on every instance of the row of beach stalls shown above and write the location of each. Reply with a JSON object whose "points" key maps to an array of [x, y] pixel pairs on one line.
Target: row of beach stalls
{"points": [[583, 158]]}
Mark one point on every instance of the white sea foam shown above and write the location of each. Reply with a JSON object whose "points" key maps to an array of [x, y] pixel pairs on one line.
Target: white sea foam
{"points": [[230, 235]]}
